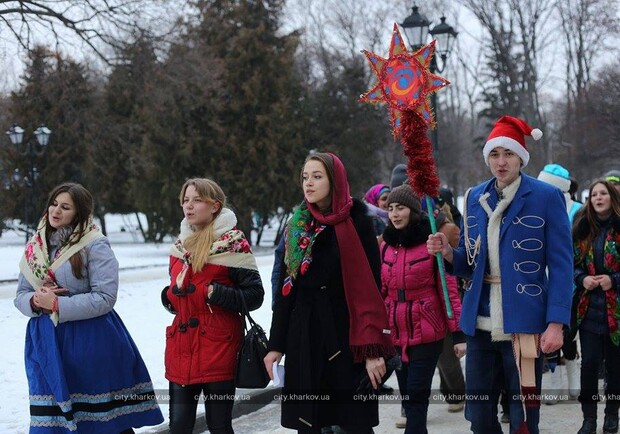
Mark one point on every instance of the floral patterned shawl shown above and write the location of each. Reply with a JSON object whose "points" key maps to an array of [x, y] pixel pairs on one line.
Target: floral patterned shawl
{"points": [[37, 266], [301, 231], [230, 249], [611, 264]]}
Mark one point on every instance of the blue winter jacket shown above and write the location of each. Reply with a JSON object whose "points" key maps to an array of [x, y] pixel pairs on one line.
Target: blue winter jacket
{"points": [[535, 236]]}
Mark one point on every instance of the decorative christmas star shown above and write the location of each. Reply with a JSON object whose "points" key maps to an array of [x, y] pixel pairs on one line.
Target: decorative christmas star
{"points": [[405, 81]]}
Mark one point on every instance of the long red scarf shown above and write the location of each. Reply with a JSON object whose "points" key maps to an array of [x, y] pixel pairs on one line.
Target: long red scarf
{"points": [[368, 323]]}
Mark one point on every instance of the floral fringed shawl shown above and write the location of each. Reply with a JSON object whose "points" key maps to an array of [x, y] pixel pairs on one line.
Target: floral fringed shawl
{"points": [[611, 264], [37, 266], [301, 232]]}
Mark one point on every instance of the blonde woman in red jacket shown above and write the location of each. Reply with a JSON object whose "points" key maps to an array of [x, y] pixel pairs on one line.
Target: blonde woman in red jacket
{"points": [[411, 288], [211, 268]]}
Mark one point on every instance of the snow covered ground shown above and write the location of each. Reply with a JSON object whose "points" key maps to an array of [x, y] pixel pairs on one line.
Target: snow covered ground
{"points": [[145, 274]]}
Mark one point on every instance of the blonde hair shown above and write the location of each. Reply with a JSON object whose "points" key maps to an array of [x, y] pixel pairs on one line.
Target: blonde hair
{"points": [[446, 208], [199, 243]]}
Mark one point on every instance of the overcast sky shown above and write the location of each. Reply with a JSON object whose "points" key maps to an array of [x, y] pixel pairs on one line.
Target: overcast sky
{"points": [[304, 14]]}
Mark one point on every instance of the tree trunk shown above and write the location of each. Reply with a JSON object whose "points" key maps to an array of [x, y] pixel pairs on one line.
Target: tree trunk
{"points": [[281, 228], [144, 235], [101, 217], [244, 222]]}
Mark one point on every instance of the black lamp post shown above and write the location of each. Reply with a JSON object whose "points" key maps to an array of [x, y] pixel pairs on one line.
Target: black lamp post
{"points": [[32, 149], [416, 28]]}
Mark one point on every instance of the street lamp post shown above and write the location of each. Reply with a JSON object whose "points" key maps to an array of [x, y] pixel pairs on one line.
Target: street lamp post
{"points": [[19, 179], [32, 149], [416, 27]]}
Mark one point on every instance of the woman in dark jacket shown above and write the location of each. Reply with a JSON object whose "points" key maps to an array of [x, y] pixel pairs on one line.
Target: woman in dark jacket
{"points": [[328, 315], [211, 268], [596, 312], [411, 288]]}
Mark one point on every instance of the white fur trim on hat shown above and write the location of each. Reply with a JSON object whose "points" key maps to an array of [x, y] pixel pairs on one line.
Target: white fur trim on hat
{"points": [[507, 143], [562, 183]]}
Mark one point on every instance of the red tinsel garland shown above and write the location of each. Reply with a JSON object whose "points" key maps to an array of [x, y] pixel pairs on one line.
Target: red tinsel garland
{"points": [[418, 149]]}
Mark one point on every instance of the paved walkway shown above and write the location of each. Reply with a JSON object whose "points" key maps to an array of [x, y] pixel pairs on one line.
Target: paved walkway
{"points": [[562, 418]]}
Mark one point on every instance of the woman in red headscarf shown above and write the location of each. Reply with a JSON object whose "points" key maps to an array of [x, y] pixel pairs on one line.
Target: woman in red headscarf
{"points": [[329, 317]]}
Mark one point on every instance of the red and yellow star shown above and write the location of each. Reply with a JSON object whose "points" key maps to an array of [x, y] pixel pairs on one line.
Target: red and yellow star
{"points": [[405, 81]]}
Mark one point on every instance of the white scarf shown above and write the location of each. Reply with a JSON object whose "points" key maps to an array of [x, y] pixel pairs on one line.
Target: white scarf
{"points": [[493, 229]]}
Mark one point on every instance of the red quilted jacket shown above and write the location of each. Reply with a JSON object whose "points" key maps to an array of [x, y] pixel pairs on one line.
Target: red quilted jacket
{"points": [[203, 340]]}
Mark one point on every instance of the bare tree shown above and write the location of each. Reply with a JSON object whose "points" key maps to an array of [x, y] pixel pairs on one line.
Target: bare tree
{"points": [[588, 27], [461, 138], [595, 150], [333, 34], [97, 23], [520, 32]]}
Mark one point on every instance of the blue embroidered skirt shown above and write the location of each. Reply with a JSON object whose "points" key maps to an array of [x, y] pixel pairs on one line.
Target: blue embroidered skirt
{"points": [[87, 377]]}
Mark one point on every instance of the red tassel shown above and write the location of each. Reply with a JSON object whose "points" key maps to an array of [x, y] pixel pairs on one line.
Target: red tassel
{"points": [[531, 397], [418, 149], [522, 429]]}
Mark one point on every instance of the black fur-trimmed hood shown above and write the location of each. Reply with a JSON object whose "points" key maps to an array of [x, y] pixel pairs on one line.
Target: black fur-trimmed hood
{"points": [[412, 235]]}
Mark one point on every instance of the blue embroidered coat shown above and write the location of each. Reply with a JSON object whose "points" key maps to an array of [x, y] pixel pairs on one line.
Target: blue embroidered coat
{"points": [[535, 253]]}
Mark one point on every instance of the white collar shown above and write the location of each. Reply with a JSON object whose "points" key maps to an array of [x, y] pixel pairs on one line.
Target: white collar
{"points": [[225, 221]]}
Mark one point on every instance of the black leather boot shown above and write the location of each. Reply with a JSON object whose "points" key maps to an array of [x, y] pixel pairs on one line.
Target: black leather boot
{"points": [[588, 427], [610, 425]]}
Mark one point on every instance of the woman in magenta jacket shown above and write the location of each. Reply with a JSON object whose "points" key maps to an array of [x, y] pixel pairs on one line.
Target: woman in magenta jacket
{"points": [[211, 268], [411, 288]]}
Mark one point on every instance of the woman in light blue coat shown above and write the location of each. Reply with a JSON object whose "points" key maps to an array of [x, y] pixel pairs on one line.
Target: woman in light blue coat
{"points": [[85, 373]]}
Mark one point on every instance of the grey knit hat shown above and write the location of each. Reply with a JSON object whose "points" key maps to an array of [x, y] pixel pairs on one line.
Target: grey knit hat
{"points": [[613, 176], [404, 195], [399, 176]]}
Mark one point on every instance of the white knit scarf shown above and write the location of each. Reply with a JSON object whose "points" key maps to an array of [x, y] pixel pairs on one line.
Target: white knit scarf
{"points": [[493, 229]]}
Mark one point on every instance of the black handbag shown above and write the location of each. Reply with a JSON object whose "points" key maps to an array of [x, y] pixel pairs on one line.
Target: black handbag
{"points": [[251, 371], [392, 364]]}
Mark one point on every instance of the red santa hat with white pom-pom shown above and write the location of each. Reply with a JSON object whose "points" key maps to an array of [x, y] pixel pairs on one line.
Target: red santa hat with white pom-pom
{"points": [[509, 133]]}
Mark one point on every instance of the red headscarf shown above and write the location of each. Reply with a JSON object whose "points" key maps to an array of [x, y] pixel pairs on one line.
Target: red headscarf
{"points": [[368, 323]]}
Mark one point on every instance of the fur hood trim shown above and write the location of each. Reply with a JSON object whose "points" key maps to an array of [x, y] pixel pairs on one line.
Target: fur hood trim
{"points": [[375, 211], [413, 235], [224, 222]]}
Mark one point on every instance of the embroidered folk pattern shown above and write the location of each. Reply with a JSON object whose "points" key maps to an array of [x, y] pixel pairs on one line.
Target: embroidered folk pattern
{"points": [[611, 264], [301, 232], [140, 397]]}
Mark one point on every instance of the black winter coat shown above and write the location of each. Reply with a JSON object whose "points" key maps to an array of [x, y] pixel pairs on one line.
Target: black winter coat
{"points": [[311, 327]]}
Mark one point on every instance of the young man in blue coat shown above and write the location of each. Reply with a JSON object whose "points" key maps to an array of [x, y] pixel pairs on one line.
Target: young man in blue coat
{"points": [[515, 250]]}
